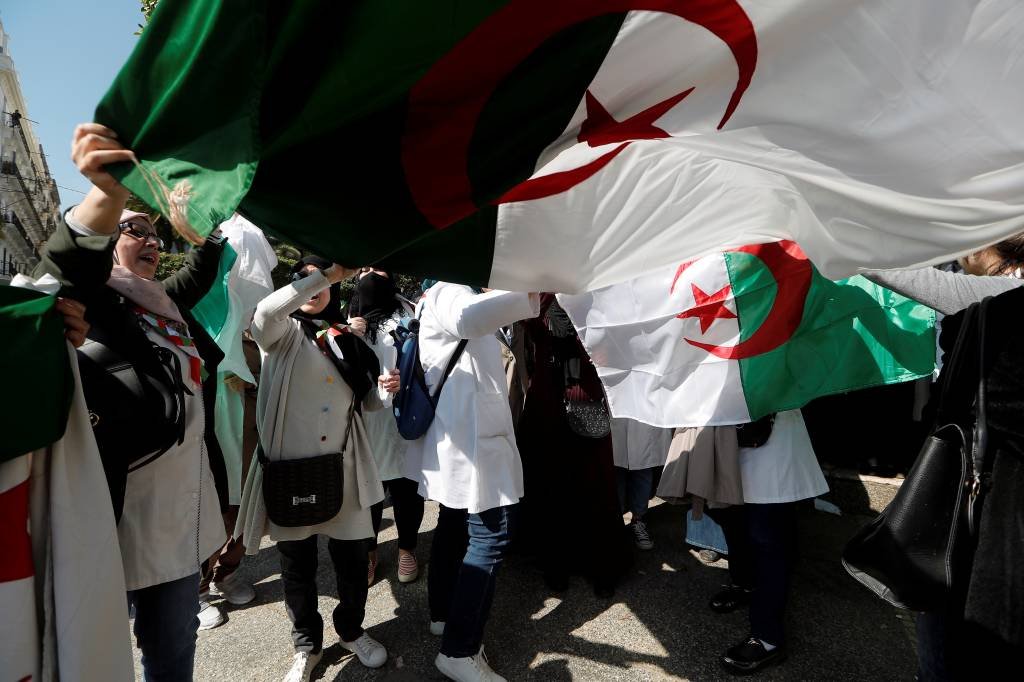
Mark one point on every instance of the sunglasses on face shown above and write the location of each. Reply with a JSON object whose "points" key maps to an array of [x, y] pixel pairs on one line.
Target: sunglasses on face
{"points": [[135, 232]]}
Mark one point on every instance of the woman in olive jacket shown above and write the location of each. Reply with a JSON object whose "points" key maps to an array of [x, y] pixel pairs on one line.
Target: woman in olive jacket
{"points": [[161, 468]]}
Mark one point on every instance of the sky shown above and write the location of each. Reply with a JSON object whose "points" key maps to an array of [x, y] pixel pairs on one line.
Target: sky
{"points": [[67, 53]]}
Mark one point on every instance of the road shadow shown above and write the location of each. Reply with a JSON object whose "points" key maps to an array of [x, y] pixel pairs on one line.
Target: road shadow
{"points": [[656, 626]]}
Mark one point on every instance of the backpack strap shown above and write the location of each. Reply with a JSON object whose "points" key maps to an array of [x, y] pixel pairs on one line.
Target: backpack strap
{"points": [[448, 370]]}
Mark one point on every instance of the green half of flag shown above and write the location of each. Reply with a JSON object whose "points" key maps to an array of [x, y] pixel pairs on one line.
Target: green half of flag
{"points": [[849, 334], [313, 119], [212, 310], [37, 377]]}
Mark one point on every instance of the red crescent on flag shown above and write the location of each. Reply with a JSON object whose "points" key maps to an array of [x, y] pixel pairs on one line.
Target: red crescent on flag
{"points": [[792, 272], [445, 104]]}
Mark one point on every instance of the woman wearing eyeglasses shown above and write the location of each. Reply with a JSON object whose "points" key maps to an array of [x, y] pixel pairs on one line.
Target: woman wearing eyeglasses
{"points": [[148, 373]]}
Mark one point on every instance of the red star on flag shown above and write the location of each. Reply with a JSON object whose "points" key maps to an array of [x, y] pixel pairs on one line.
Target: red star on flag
{"points": [[600, 127], [708, 308]]}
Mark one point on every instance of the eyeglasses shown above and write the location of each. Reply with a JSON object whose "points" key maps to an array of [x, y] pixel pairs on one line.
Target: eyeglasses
{"points": [[300, 275], [133, 231]]}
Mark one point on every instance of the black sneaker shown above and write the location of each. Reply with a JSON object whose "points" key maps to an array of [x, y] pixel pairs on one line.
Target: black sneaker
{"points": [[730, 599], [749, 656]]}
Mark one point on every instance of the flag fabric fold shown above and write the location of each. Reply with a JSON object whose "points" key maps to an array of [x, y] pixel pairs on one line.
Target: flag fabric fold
{"points": [[562, 146]]}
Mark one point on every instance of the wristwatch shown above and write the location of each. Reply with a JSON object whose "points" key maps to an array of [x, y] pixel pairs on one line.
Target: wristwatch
{"points": [[217, 237]]}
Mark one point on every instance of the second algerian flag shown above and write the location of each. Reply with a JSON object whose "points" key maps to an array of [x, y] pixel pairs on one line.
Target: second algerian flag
{"points": [[736, 335]]}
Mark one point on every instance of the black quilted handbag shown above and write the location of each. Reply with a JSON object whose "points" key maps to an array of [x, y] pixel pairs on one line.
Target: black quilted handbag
{"points": [[304, 492], [917, 553]]}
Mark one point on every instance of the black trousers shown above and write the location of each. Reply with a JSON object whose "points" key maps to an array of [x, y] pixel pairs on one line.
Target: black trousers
{"points": [[298, 573], [408, 506], [762, 545]]}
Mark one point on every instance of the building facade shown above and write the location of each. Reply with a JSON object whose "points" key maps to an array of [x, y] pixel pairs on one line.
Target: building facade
{"points": [[29, 202]]}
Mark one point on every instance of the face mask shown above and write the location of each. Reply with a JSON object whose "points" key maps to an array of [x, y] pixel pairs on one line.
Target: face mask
{"points": [[376, 293]]}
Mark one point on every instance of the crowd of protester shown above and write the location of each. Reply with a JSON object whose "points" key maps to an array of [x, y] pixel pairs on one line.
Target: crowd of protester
{"points": [[517, 385]]}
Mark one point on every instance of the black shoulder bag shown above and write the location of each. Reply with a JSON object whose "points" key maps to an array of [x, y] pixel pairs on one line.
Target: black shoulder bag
{"points": [[756, 433], [136, 405], [917, 553], [308, 491]]}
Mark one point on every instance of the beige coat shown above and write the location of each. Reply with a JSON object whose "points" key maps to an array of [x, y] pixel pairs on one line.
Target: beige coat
{"points": [[302, 411], [703, 462]]}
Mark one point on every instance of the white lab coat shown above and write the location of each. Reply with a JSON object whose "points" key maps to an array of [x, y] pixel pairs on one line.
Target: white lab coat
{"points": [[785, 468], [468, 458], [381, 429]]}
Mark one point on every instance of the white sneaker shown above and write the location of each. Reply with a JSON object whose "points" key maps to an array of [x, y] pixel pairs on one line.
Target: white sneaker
{"points": [[369, 651], [640, 535], [468, 669], [234, 590], [302, 666], [210, 616], [437, 627]]}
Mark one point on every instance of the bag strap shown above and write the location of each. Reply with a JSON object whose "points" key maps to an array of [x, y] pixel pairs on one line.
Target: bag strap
{"points": [[261, 455], [980, 444], [952, 371], [449, 368], [351, 418]]}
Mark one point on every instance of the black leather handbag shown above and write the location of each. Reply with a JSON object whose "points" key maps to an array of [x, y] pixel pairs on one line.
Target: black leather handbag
{"points": [[136, 407], [756, 433], [308, 491], [917, 553]]}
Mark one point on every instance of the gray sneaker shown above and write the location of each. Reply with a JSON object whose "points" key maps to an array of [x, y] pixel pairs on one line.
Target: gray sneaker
{"points": [[641, 537], [234, 590]]}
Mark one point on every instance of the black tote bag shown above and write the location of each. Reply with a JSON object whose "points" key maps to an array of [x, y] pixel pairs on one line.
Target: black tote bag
{"points": [[917, 553]]}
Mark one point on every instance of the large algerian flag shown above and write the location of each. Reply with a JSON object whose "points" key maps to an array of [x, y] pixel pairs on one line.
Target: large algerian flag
{"points": [[733, 336], [562, 145]]}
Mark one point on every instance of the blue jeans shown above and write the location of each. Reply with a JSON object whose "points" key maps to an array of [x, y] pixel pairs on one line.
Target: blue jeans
{"points": [[933, 647], [166, 622], [705, 533], [464, 560], [635, 489]]}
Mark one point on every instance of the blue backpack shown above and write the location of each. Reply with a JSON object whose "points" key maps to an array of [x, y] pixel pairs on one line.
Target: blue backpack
{"points": [[413, 405]]}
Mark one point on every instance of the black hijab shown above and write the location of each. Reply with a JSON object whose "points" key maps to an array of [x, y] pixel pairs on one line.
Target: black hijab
{"points": [[374, 300], [374, 297], [354, 360]]}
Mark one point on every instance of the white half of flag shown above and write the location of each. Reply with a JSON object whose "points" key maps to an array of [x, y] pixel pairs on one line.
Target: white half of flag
{"points": [[873, 133]]}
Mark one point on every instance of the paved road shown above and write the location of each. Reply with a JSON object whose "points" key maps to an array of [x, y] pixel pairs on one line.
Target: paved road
{"points": [[656, 627]]}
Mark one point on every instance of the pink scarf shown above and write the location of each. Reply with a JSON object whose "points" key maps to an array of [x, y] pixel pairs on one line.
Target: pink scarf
{"points": [[145, 293]]}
